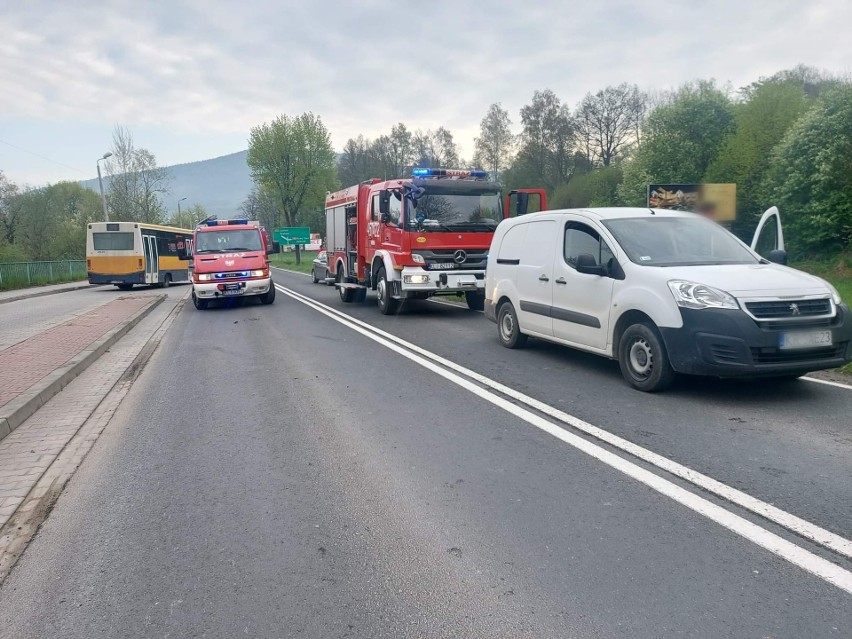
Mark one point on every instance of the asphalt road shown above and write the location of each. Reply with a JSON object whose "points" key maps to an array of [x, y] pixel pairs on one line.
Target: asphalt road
{"points": [[275, 473]]}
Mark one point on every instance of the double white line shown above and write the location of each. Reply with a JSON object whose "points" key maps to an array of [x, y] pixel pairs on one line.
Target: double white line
{"points": [[479, 385]]}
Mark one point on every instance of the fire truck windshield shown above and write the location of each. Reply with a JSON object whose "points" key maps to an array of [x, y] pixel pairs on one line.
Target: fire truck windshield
{"points": [[222, 241], [445, 210]]}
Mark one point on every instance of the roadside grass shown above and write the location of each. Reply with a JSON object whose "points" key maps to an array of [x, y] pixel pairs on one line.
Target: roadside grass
{"points": [[288, 261], [837, 270]]}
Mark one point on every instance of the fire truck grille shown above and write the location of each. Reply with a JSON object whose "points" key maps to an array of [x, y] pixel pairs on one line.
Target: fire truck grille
{"points": [[460, 259]]}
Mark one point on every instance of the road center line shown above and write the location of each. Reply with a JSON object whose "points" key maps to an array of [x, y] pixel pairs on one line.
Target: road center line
{"points": [[827, 382], [787, 520], [777, 545]]}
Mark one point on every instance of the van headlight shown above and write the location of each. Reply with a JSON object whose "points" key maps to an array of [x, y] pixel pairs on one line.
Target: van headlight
{"points": [[693, 295], [259, 273], [204, 277]]}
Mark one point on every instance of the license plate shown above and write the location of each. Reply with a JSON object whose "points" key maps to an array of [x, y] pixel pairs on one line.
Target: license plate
{"points": [[435, 265], [811, 339], [232, 287]]}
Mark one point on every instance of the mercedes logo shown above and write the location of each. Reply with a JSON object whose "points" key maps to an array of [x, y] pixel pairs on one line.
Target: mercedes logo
{"points": [[794, 309], [459, 257]]}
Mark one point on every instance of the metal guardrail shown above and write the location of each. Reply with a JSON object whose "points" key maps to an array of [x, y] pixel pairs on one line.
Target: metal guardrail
{"points": [[21, 274]]}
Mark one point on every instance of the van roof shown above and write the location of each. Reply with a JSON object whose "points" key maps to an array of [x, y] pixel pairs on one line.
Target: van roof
{"points": [[616, 212]]}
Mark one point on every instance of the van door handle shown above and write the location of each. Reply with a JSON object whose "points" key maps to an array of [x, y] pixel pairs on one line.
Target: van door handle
{"points": [[560, 280], [543, 278]]}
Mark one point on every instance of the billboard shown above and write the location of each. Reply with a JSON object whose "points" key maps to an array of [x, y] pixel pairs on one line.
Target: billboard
{"points": [[717, 201]]}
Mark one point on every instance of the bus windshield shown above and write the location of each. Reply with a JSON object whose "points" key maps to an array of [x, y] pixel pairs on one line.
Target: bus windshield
{"points": [[227, 241], [445, 210]]}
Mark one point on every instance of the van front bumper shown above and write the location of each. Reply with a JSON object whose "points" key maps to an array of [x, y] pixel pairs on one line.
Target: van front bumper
{"points": [[216, 290], [729, 343]]}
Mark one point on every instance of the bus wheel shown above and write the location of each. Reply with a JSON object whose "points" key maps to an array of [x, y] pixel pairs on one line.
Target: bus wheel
{"points": [[167, 281], [199, 303], [124, 287]]}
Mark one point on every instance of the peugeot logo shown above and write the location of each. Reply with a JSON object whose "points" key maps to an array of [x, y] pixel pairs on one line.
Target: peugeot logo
{"points": [[794, 309], [459, 257]]}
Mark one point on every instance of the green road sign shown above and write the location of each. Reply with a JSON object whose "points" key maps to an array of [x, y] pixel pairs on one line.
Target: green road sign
{"points": [[292, 235]]}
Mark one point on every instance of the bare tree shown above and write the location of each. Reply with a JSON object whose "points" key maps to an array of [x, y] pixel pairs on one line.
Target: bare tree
{"points": [[435, 148], [608, 122], [546, 154], [496, 143], [135, 181]]}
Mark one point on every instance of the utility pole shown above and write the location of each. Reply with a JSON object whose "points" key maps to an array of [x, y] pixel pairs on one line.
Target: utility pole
{"points": [[101, 184]]}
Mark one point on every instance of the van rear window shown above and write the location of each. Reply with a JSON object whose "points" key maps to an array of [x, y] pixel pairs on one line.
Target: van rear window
{"points": [[113, 241]]}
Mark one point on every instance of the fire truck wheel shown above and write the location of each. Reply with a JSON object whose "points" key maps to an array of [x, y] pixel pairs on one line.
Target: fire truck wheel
{"points": [[475, 300], [345, 293], [269, 296], [387, 304], [199, 304]]}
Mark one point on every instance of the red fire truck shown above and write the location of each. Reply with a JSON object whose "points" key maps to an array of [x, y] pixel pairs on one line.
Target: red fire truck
{"points": [[417, 237]]}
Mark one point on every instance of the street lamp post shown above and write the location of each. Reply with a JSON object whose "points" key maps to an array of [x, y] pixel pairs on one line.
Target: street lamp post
{"points": [[179, 201], [101, 184]]}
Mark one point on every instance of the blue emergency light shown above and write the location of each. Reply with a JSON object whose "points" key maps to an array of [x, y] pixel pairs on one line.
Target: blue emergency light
{"points": [[225, 222], [462, 173]]}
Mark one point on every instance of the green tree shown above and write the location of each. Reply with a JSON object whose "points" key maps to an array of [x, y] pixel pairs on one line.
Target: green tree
{"points": [[291, 158], [681, 138], [188, 216], [810, 176], [761, 121], [496, 143]]}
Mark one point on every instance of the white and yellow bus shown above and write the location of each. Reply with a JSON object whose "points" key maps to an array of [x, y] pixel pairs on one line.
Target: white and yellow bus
{"points": [[128, 253]]}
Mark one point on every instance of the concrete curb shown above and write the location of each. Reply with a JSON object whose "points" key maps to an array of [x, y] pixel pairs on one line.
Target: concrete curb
{"points": [[19, 409], [24, 296]]}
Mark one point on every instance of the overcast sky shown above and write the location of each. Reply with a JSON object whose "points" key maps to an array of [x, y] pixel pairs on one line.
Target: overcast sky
{"points": [[191, 77]]}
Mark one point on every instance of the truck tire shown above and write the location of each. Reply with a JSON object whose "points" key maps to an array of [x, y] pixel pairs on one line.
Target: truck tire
{"points": [[345, 293], [475, 300], [199, 303], [387, 304], [643, 359], [269, 296], [508, 329]]}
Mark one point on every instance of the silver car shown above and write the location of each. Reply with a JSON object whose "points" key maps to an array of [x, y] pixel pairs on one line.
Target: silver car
{"points": [[319, 270]]}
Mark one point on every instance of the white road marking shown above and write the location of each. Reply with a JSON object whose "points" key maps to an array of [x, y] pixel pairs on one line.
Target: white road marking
{"points": [[789, 521], [287, 270], [827, 382], [779, 546]]}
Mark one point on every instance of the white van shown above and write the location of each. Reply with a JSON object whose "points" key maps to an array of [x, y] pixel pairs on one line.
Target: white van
{"points": [[663, 292]]}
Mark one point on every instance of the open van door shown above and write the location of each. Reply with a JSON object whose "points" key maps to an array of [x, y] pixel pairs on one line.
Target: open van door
{"points": [[522, 201], [768, 240]]}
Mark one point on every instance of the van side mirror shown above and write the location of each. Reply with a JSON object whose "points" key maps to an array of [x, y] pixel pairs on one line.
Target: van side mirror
{"points": [[589, 266], [778, 256], [384, 203]]}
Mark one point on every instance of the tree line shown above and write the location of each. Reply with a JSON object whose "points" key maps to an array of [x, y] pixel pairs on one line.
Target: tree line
{"points": [[785, 140]]}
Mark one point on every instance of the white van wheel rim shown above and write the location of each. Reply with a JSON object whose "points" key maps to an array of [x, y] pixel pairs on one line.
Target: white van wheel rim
{"points": [[507, 326], [641, 358]]}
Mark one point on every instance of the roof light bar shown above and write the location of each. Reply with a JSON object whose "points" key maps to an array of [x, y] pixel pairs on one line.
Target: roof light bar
{"points": [[457, 173], [224, 222]]}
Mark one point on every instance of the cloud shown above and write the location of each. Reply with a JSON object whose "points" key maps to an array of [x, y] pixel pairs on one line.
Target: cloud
{"points": [[197, 68]]}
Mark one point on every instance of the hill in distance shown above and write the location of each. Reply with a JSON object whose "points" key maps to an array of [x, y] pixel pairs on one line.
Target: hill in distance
{"points": [[220, 184]]}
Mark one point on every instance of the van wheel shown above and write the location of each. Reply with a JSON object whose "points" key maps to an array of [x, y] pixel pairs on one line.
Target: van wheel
{"points": [[345, 293], [387, 304], [199, 303], [269, 296], [643, 359], [508, 328], [475, 300]]}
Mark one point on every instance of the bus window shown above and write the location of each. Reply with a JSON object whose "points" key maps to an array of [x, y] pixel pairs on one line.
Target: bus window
{"points": [[113, 241]]}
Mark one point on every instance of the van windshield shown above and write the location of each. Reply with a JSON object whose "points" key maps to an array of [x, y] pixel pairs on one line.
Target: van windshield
{"points": [[228, 241], [678, 241]]}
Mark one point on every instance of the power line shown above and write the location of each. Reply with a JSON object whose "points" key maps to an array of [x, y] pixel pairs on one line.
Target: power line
{"points": [[38, 155]]}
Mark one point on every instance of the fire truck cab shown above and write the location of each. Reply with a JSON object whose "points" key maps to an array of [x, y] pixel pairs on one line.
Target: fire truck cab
{"points": [[229, 259], [415, 237]]}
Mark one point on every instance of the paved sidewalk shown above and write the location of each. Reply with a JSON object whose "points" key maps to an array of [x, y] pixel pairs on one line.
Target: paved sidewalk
{"points": [[37, 291], [29, 361], [84, 406]]}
